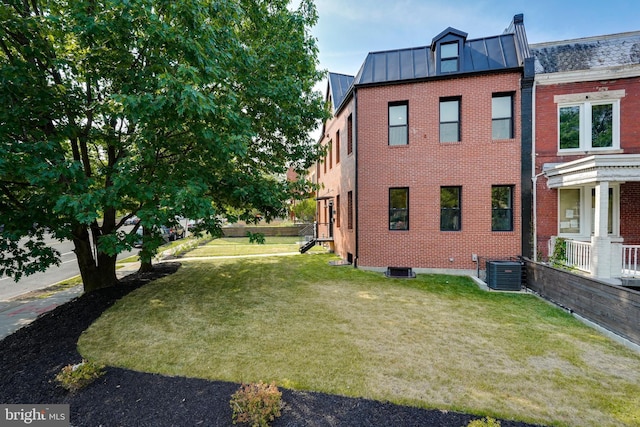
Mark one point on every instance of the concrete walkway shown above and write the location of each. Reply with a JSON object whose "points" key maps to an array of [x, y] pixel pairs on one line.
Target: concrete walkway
{"points": [[24, 309]]}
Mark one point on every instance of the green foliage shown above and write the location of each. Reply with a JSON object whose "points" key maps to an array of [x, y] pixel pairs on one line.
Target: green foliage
{"points": [[485, 422], [256, 403], [76, 377], [559, 256], [147, 107], [256, 238], [305, 210]]}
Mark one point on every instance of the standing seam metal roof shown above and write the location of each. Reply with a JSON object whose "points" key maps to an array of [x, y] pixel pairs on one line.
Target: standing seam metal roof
{"points": [[502, 52], [505, 51]]}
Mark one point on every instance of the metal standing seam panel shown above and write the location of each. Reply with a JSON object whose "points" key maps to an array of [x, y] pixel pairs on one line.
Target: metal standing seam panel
{"points": [[510, 52], [393, 66], [478, 59], [495, 53]]}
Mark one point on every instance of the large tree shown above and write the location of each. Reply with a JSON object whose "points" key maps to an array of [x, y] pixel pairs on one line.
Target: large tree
{"points": [[156, 108]]}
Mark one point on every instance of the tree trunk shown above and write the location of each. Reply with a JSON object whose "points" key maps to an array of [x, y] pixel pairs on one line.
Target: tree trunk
{"points": [[145, 255], [95, 275]]}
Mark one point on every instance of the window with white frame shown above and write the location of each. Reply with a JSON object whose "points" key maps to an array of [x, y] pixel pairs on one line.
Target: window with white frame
{"points": [[589, 122], [576, 216]]}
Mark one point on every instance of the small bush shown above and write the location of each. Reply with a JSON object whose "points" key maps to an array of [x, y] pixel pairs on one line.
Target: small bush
{"points": [[257, 404], [485, 422], [75, 377]]}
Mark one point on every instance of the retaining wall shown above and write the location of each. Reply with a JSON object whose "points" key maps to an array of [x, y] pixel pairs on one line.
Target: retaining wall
{"points": [[613, 307]]}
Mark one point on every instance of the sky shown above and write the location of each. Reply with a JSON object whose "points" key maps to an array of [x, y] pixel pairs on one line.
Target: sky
{"points": [[347, 30]]}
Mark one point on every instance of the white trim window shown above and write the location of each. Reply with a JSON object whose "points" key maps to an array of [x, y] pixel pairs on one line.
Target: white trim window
{"points": [[589, 122], [576, 211]]}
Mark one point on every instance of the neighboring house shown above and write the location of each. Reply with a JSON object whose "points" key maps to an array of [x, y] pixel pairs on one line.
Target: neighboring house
{"points": [[424, 164], [587, 152]]}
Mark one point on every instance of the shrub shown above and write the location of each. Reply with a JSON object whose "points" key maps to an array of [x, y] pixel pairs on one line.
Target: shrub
{"points": [[559, 256], [485, 422], [256, 403], [75, 377]]}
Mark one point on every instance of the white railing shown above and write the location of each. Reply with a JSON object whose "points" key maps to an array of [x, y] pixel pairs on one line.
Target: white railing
{"points": [[579, 255], [630, 260]]}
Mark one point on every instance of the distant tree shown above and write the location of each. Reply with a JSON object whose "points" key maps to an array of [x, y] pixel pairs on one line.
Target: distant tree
{"points": [[148, 107], [305, 210]]}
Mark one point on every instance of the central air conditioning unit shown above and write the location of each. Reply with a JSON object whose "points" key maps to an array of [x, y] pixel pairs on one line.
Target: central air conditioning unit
{"points": [[504, 275]]}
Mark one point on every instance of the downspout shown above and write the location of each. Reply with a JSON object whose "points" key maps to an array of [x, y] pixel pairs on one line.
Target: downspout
{"points": [[355, 202], [527, 153], [534, 177]]}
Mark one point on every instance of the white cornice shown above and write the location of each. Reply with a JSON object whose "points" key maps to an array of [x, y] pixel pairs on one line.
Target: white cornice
{"points": [[610, 73], [613, 168]]}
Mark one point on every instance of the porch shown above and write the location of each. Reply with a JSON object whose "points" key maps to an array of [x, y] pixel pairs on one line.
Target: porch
{"points": [[624, 260], [589, 218]]}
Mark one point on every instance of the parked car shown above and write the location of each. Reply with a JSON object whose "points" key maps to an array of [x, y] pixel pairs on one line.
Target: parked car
{"points": [[172, 233], [132, 221]]}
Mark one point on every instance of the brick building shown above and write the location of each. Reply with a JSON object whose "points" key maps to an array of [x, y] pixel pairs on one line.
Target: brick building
{"points": [[587, 152], [428, 155]]}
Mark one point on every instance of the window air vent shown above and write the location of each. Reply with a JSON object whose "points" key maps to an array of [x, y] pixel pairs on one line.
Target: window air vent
{"points": [[400, 273]]}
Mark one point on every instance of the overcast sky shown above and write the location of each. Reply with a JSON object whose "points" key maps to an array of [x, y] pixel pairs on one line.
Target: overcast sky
{"points": [[349, 29]]}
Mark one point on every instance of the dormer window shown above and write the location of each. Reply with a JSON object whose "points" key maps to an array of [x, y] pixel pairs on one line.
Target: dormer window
{"points": [[449, 54], [448, 51]]}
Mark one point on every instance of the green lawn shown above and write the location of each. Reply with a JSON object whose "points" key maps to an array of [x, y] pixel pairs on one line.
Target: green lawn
{"points": [[435, 341], [236, 246]]}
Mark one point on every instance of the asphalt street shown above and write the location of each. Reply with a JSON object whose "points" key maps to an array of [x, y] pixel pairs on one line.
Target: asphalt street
{"points": [[68, 268]]}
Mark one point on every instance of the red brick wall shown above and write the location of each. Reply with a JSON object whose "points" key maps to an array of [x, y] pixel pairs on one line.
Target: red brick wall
{"points": [[424, 165], [339, 179], [546, 148], [630, 213]]}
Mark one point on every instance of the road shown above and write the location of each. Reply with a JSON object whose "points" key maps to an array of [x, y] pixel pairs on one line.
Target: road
{"points": [[68, 268]]}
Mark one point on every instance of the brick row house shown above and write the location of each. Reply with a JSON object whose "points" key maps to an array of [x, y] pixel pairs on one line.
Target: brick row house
{"points": [[443, 156], [587, 153], [424, 155]]}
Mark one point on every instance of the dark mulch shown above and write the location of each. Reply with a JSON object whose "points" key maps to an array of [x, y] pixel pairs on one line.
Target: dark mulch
{"points": [[31, 357]]}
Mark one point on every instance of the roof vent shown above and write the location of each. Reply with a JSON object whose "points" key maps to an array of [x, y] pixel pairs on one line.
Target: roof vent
{"points": [[400, 273]]}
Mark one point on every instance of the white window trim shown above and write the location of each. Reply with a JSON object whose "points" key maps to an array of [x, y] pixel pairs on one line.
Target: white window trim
{"points": [[585, 101], [587, 212]]}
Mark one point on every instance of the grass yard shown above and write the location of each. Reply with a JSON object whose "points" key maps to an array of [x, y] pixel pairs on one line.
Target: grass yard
{"points": [[236, 246], [434, 342]]}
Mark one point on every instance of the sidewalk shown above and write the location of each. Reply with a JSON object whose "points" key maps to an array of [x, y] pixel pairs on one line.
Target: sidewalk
{"points": [[22, 310]]}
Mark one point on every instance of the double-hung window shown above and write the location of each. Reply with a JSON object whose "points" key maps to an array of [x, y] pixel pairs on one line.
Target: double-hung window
{"points": [[450, 208], [449, 54], [449, 119], [502, 116], [502, 208], [398, 123], [398, 209], [589, 122]]}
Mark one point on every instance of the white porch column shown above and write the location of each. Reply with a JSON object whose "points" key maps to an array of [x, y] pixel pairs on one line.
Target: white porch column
{"points": [[600, 241]]}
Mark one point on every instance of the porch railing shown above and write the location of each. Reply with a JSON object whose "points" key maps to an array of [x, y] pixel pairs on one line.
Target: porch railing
{"points": [[579, 255], [630, 260]]}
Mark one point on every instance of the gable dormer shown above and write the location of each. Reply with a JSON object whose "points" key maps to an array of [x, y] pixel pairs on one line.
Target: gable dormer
{"points": [[447, 48]]}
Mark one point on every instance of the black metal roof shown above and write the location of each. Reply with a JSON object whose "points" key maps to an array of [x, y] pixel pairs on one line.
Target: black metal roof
{"points": [[505, 51], [339, 85], [587, 53], [501, 52]]}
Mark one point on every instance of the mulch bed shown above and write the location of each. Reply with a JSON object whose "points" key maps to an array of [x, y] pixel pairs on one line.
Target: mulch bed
{"points": [[31, 357]]}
